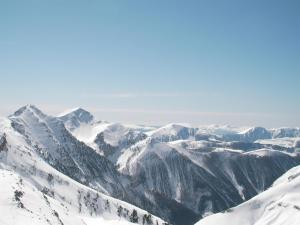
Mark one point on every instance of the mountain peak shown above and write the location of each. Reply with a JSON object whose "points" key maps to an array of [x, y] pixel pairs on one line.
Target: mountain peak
{"points": [[28, 108], [253, 130], [74, 111], [75, 117]]}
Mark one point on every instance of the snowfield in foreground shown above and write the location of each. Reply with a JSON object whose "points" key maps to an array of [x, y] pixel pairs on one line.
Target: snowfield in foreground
{"points": [[22, 203], [279, 205]]}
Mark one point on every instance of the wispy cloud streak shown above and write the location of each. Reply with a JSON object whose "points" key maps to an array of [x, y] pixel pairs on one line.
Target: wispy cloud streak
{"points": [[179, 112], [146, 95]]}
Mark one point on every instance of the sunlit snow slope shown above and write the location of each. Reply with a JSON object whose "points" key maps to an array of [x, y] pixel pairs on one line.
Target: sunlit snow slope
{"points": [[34, 192], [279, 205]]}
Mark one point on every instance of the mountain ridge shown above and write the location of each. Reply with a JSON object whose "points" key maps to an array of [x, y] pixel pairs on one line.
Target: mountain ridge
{"points": [[177, 172]]}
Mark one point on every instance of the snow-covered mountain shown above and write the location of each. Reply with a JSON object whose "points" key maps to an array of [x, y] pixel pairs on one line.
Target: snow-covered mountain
{"points": [[250, 134], [52, 141], [202, 170], [75, 118], [203, 180], [285, 132], [177, 172], [33, 149], [173, 132], [297, 143], [279, 205], [254, 134], [105, 138]]}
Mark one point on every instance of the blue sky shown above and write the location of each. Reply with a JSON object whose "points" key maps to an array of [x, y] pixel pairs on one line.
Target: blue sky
{"points": [[201, 62]]}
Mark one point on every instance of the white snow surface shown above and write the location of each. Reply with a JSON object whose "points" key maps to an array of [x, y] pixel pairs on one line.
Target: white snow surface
{"points": [[284, 142], [47, 192], [221, 130], [49, 196], [38, 208], [279, 205]]}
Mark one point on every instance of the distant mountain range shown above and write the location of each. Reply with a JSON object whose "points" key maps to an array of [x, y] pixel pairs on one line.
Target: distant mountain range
{"points": [[73, 168]]}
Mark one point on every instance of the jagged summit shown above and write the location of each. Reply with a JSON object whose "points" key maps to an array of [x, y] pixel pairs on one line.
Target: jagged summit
{"points": [[200, 170], [75, 117], [37, 190], [28, 109], [76, 110]]}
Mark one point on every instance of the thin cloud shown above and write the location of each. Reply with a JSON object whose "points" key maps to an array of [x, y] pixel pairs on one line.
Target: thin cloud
{"points": [[180, 112], [54, 109], [146, 95], [109, 95]]}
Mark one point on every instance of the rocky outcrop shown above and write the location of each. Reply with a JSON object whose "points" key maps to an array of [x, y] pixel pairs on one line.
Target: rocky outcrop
{"points": [[3, 142]]}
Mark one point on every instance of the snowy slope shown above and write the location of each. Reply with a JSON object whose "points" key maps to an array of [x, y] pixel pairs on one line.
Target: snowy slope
{"points": [[178, 172], [23, 203], [52, 141], [116, 137], [172, 132], [74, 118], [221, 130], [201, 178], [250, 134], [283, 142], [285, 132], [255, 133], [45, 194], [105, 138], [279, 205], [178, 163]]}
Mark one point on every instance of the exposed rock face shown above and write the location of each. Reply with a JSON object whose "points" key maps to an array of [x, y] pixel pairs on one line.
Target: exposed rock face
{"points": [[177, 172], [112, 149], [3, 143], [182, 173], [76, 117], [37, 193], [203, 182], [49, 138], [53, 142], [285, 132], [279, 205], [297, 143]]}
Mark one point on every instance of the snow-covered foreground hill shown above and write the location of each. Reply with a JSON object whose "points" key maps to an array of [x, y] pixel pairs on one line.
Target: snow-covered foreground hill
{"points": [[34, 192], [279, 205], [22, 203]]}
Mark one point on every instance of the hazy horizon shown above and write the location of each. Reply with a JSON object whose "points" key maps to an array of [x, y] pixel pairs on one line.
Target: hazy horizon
{"points": [[136, 116]]}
